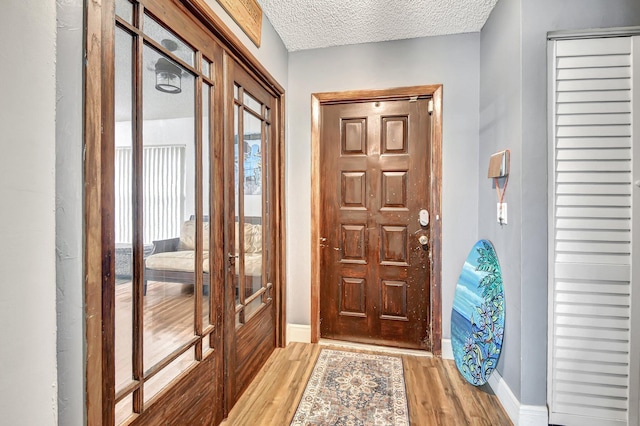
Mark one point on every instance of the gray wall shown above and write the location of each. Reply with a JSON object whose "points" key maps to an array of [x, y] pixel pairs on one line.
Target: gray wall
{"points": [[68, 201], [513, 52], [28, 383], [501, 128], [450, 60]]}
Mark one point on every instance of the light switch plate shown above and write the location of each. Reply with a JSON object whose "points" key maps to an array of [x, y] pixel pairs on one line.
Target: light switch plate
{"points": [[502, 213]]}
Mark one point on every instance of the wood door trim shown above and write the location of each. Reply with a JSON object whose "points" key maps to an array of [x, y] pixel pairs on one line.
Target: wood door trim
{"points": [[319, 99]]}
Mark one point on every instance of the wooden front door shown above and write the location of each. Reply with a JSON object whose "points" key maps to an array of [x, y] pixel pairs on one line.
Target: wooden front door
{"points": [[375, 272]]}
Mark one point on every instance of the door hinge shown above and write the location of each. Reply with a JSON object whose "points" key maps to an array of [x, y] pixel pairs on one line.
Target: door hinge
{"points": [[430, 106]]}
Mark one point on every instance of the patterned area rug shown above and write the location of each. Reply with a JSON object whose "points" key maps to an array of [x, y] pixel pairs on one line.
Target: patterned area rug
{"points": [[354, 389]]}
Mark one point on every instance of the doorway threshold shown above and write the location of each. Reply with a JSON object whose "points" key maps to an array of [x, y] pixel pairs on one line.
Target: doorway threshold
{"points": [[374, 348]]}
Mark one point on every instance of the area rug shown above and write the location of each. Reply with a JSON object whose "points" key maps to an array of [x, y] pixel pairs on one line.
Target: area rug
{"points": [[354, 389]]}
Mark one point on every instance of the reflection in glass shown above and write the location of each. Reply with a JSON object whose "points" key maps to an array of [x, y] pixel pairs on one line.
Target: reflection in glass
{"points": [[168, 185], [206, 211], [252, 103], [123, 209], [206, 67], [124, 409], [252, 168], [167, 374], [169, 40], [124, 9]]}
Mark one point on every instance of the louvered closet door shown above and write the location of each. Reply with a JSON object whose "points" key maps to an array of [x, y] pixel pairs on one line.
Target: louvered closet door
{"points": [[593, 370]]}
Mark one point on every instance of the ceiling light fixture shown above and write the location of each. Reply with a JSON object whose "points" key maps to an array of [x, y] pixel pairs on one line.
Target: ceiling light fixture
{"points": [[168, 74]]}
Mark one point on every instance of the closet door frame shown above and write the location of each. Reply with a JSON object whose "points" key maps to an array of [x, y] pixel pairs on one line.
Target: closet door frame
{"points": [[633, 416]]}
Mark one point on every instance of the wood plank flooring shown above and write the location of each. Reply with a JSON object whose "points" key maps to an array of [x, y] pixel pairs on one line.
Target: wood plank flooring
{"points": [[437, 394]]}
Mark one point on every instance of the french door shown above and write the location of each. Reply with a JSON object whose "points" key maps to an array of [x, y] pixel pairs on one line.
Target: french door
{"points": [[168, 224], [182, 215], [250, 159]]}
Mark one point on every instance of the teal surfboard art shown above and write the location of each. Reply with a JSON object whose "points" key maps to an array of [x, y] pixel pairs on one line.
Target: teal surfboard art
{"points": [[477, 318]]}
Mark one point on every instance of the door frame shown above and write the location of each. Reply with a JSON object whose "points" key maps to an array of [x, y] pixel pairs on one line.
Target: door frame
{"points": [[317, 101], [99, 250]]}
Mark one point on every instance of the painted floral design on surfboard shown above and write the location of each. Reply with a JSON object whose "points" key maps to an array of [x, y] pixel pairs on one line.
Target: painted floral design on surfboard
{"points": [[477, 318]]}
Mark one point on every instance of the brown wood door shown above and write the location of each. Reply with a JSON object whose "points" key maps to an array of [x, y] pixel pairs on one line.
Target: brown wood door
{"points": [[375, 180], [250, 157]]}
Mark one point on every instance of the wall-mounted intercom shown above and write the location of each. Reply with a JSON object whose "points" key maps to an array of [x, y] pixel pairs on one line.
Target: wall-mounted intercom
{"points": [[499, 168], [499, 164]]}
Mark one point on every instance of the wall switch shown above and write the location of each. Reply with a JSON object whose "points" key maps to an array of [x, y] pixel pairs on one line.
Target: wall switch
{"points": [[502, 213]]}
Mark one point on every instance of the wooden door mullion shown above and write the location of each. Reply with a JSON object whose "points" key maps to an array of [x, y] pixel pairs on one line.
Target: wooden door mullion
{"points": [[198, 284], [138, 221]]}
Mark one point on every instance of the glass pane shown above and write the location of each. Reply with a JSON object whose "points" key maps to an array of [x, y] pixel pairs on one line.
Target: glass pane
{"points": [[169, 40], [168, 185], [252, 103], [124, 409], [123, 208], [206, 211], [124, 9], [167, 374], [236, 168], [252, 173], [252, 307], [206, 67], [236, 90]]}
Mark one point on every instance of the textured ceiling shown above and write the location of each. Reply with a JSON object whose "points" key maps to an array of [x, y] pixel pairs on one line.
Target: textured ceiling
{"points": [[309, 24]]}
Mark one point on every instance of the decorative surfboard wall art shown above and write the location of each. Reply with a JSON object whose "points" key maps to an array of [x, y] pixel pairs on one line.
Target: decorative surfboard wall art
{"points": [[477, 318]]}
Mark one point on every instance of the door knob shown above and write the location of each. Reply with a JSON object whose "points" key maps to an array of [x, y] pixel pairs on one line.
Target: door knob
{"points": [[423, 240], [638, 183]]}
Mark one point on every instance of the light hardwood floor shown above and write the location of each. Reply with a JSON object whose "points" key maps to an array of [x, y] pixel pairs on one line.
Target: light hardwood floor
{"points": [[437, 394]]}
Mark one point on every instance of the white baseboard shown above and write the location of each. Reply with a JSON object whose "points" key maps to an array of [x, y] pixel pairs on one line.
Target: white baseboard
{"points": [[520, 415], [298, 333], [447, 349]]}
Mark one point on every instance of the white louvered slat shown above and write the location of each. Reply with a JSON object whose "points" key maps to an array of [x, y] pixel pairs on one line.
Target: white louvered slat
{"points": [[595, 96], [582, 327], [614, 299], [592, 119], [579, 131], [580, 411], [594, 61], [593, 310], [599, 258], [594, 212], [591, 142], [594, 166], [593, 73], [594, 108], [592, 154], [599, 200], [598, 177], [592, 390], [611, 287], [594, 189], [594, 378], [581, 366], [590, 236], [595, 401], [594, 84], [614, 224], [594, 47]]}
